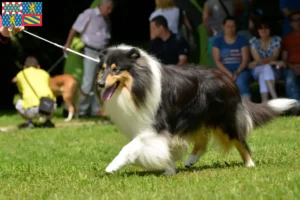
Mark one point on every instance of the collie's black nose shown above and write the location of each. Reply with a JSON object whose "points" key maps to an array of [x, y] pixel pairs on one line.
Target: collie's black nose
{"points": [[101, 83]]}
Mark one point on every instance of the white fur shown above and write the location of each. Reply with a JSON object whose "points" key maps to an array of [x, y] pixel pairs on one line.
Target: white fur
{"points": [[149, 150], [282, 104], [69, 118], [122, 109], [250, 163], [192, 159], [244, 119]]}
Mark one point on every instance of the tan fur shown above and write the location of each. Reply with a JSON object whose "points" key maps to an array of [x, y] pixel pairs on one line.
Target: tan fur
{"points": [[67, 86], [125, 79], [243, 151], [201, 138]]}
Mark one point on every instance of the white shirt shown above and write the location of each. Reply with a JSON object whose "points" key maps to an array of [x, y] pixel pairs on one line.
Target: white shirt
{"points": [[172, 16], [94, 29]]}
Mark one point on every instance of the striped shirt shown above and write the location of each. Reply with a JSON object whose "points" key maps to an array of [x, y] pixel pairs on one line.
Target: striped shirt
{"points": [[93, 27]]}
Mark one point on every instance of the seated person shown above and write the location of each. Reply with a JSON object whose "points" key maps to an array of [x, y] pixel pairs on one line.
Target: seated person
{"points": [[28, 105], [169, 48], [265, 48], [291, 44], [231, 56], [287, 7], [290, 64]]}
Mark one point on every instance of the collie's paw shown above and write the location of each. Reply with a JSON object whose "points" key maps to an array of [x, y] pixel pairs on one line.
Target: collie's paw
{"points": [[249, 164], [169, 172], [110, 169], [192, 159]]}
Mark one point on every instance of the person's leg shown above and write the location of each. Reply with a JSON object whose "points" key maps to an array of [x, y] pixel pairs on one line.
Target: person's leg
{"points": [[263, 89], [48, 123], [292, 87], [24, 114], [89, 72], [242, 81], [95, 106], [269, 77]]}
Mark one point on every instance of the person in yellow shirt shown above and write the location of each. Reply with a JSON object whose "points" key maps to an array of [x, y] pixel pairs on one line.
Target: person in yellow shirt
{"points": [[39, 81]]}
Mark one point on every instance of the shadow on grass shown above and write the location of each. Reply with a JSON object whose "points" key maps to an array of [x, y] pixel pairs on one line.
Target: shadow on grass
{"points": [[215, 165]]}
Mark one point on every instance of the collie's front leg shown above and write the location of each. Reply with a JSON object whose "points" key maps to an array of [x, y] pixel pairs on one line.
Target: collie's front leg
{"points": [[149, 150], [127, 156]]}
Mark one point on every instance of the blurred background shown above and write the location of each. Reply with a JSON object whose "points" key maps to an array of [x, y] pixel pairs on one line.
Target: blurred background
{"points": [[130, 25]]}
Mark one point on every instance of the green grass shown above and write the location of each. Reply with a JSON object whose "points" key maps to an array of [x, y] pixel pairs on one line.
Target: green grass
{"points": [[69, 163]]}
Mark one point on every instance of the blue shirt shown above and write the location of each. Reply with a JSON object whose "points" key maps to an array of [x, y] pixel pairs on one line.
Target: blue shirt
{"points": [[231, 54], [293, 5]]}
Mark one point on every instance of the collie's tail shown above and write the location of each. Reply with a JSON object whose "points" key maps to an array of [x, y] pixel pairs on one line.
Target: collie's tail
{"points": [[259, 114]]}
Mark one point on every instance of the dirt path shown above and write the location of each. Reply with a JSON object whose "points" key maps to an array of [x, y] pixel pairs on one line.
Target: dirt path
{"points": [[58, 125]]}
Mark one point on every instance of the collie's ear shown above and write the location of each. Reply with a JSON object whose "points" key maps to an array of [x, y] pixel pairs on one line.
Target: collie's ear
{"points": [[133, 53], [102, 53]]}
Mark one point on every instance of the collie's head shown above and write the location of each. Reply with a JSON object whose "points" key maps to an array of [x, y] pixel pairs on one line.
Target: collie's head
{"points": [[127, 68]]}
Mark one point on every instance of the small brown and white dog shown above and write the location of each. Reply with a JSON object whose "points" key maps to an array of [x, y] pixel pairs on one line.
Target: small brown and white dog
{"points": [[68, 87]]}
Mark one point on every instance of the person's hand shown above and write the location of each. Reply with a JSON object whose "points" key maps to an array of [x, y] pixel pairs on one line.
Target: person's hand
{"points": [[234, 75], [281, 64], [6, 33], [65, 49], [252, 64]]}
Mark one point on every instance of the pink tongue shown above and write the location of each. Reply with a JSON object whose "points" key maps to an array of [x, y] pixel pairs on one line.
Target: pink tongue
{"points": [[107, 93]]}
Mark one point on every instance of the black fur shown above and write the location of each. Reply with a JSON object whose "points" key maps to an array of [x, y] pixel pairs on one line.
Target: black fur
{"points": [[194, 96]]}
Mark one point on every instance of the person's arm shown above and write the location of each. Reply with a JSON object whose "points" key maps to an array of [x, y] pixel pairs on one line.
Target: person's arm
{"points": [[183, 49], [182, 60], [218, 63], [5, 34], [205, 17], [78, 27], [14, 80], [262, 61], [187, 22], [3, 39], [245, 59], [71, 35]]}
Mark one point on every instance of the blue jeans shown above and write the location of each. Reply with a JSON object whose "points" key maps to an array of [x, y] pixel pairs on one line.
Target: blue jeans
{"points": [[243, 81], [292, 87], [88, 84]]}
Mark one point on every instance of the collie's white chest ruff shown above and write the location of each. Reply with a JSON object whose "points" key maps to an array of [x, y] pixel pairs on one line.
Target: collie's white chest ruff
{"points": [[126, 116]]}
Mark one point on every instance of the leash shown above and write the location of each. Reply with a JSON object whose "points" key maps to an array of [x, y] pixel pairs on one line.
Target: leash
{"points": [[57, 62], [60, 46]]}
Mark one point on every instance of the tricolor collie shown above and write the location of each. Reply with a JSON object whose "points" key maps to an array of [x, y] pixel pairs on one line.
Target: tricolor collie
{"points": [[164, 108]]}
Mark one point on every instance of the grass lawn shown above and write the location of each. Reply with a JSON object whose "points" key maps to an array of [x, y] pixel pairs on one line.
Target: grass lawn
{"points": [[69, 163]]}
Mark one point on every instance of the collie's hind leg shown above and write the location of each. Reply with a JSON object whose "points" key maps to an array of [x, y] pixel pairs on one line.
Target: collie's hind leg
{"points": [[200, 146], [149, 150], [245, 152]]}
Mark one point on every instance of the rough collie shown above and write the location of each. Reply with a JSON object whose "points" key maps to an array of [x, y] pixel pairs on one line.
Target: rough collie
{"points": [[162, 109]]}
